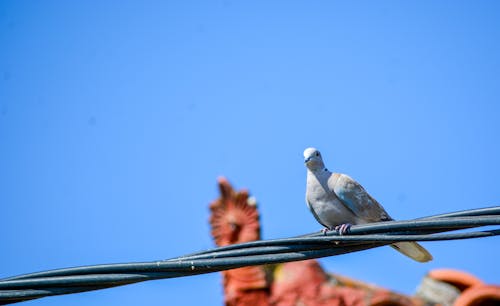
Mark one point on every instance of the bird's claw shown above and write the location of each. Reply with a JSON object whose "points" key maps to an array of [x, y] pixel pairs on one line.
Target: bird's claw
{"points": [[325, 230], [343, 229]]}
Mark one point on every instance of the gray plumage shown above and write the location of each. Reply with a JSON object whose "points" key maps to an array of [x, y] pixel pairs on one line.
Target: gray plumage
{"points": [[336, 199]]}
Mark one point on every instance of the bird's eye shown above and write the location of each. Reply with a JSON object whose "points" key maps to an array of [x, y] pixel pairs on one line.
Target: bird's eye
{"points": [[317, 153]]}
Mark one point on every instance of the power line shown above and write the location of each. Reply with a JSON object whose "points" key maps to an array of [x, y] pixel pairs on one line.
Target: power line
{"points": [[361, 237]]}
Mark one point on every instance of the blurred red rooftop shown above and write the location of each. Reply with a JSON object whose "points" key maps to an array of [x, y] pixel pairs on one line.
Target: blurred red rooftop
{"points": [[235, 219]]}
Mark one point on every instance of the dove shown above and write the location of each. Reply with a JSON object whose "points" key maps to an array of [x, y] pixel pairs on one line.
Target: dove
{"points": [[337, 201]]}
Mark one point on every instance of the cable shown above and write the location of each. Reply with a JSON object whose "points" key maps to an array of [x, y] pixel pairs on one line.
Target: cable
{"points": [[361, 237]]}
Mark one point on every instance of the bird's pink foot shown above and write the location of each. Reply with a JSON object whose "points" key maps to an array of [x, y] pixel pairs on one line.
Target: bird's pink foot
{"points": [[325, 230], [343, 229]]}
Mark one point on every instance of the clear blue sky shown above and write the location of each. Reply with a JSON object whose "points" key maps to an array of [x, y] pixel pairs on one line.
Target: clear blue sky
{"points": [[116, 119]]}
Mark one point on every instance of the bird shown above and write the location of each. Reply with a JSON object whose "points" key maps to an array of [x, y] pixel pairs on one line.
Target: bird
{"points": [[337, 201]]}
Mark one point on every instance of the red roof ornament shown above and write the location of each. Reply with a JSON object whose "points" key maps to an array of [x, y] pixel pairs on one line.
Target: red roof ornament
{"points": [[235, 219]]}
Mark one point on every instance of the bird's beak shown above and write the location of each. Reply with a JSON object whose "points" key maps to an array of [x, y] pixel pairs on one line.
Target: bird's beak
{"points": [[307, 160]]}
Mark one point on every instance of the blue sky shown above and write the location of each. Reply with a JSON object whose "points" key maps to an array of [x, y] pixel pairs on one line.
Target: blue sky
{"points": [[116, 120]]}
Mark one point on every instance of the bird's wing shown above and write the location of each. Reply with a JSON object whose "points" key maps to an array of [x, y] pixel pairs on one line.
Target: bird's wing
{"points": [[355, 197]]}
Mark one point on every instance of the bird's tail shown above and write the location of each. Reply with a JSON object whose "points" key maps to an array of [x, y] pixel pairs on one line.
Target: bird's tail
{"points": [[413, 250]]}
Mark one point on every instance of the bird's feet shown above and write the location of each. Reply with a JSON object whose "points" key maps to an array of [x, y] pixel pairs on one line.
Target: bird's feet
{"points": [[343, 229], [325, 230]]}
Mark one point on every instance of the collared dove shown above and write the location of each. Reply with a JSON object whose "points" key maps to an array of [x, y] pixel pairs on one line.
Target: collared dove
{"points": [[337, 201]]}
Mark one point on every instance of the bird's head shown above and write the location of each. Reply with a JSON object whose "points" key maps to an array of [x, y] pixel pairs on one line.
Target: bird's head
{"points": [[312, 159]]}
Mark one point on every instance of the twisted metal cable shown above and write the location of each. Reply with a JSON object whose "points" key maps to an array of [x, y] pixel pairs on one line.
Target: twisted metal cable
{"points": [[361, 237]]}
